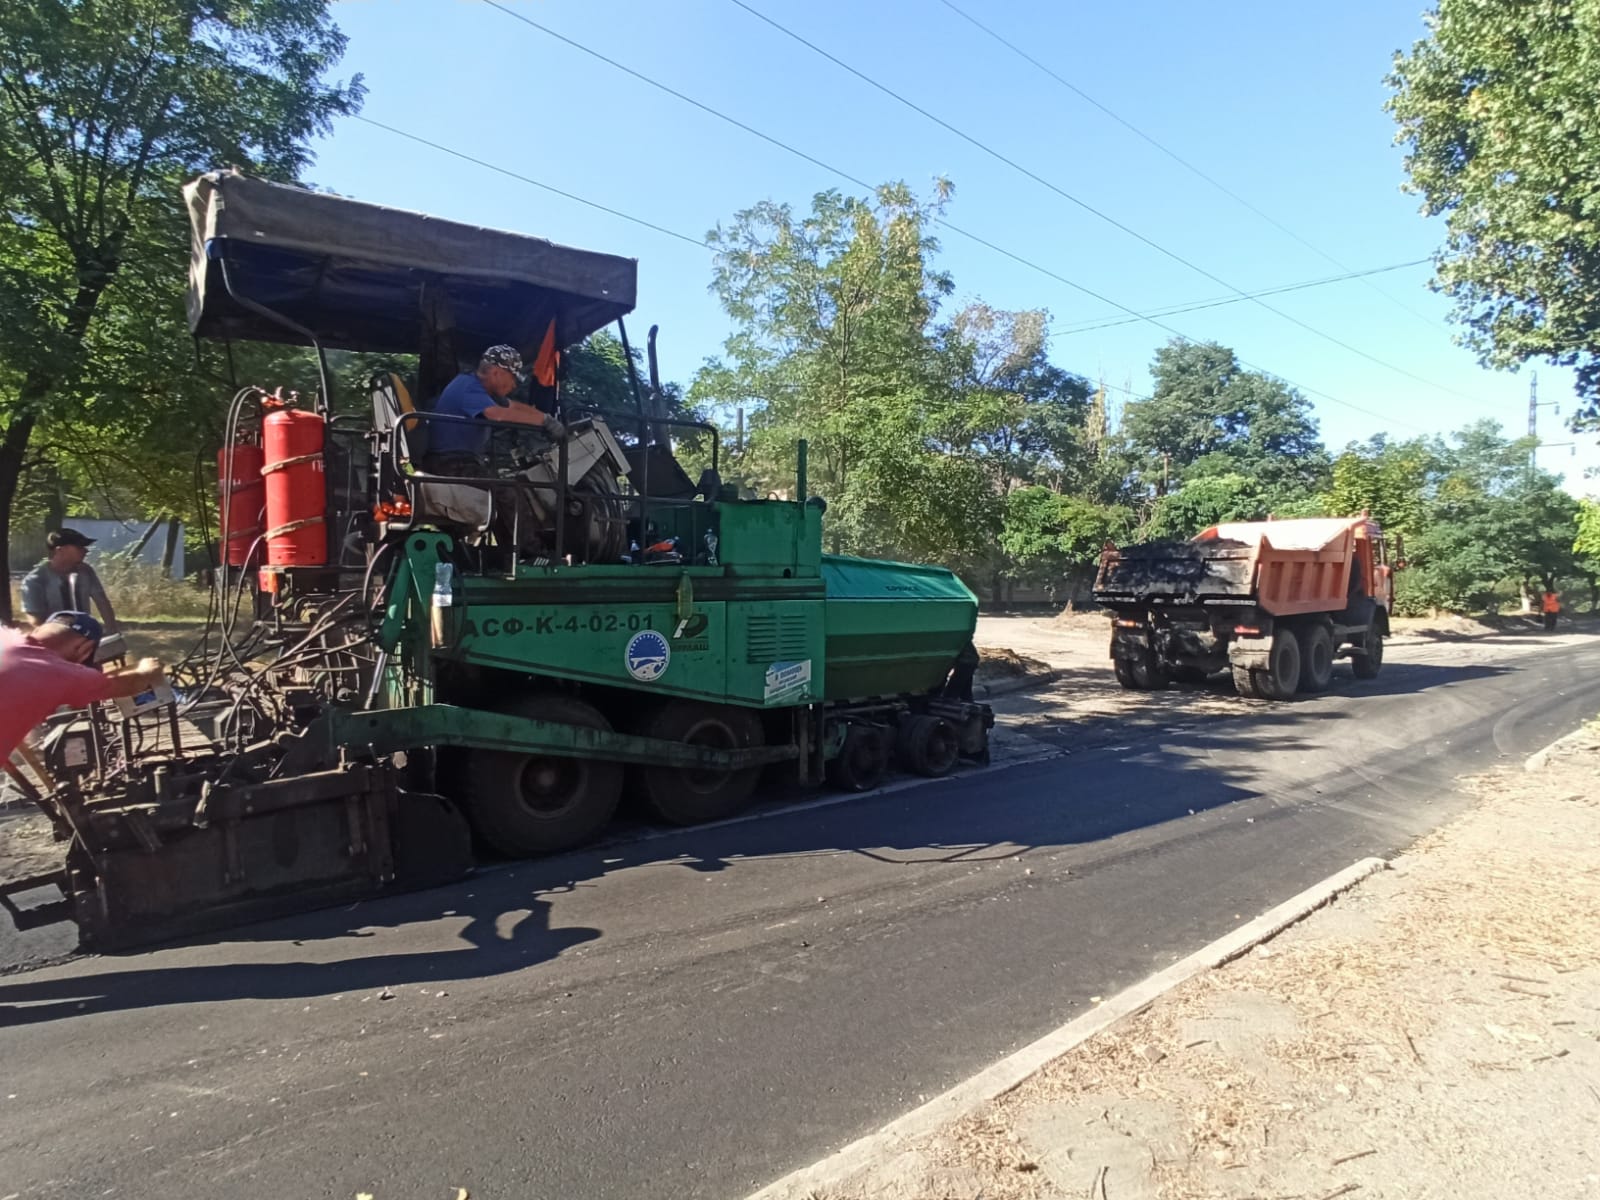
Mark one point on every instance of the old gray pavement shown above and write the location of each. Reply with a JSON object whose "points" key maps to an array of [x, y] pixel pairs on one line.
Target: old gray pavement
{"points": [[696, 1013]]}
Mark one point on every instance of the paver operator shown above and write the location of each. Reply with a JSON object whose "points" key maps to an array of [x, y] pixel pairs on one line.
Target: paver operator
{"points": [[457, 449], [44, 669]]}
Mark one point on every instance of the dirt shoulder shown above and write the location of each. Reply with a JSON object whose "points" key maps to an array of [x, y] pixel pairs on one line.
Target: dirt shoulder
{"points": [[1435, 1032]]}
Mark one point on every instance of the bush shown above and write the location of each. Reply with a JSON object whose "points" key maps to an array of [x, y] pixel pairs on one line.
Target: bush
{"points": [[138, 590]]}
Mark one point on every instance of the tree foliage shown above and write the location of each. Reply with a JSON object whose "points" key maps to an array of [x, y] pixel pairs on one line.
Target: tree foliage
{"points": [[1497, 109], [1209, 416], [106, 108]]}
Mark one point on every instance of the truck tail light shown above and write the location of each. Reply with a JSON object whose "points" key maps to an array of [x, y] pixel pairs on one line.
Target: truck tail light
{"points": [[1247, 630]]}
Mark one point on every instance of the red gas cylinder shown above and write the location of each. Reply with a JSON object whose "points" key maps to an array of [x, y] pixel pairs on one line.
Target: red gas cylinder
{"points": [[241, 499], [297, 494]]}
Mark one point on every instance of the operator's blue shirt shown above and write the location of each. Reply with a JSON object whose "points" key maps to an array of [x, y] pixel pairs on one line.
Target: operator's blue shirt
{"points": [[464, 396]]}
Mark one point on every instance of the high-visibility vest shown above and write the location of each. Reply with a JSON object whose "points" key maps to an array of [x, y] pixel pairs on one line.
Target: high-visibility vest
{"points": [[1552, 602]]}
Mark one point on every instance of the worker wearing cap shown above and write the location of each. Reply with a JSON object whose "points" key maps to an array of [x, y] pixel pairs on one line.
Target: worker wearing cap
{"points": [[456, 449], [44, 669], [460, 449], [63, 582]]}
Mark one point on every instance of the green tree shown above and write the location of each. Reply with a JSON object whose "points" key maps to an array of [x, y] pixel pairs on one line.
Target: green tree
{"points": [[832, 316], [1054, 541], [1391, 480], [1586, 548], [1497, 108], [1207, 415], [1205, 501], [1491, 522], [105, 110]]}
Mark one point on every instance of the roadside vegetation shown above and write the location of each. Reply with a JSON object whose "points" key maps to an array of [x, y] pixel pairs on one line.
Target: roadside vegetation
{"points": [[941, 429]]}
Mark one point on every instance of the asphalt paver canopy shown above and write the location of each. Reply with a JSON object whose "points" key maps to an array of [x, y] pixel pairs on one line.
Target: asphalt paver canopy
{"points": [[271, 262]]}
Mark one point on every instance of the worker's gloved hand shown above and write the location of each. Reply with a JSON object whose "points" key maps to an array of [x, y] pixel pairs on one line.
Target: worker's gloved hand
{"points": [[554, 429]]}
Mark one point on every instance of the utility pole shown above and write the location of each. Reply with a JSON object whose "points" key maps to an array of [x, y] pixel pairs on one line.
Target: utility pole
{"points": [[1534, 405]]}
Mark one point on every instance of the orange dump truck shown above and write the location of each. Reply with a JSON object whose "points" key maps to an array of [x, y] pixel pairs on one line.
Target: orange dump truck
{"points": [[1275, 602]]}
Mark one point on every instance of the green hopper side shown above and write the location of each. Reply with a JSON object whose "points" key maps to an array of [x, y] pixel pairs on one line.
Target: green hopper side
{"points": [[892, 628]]}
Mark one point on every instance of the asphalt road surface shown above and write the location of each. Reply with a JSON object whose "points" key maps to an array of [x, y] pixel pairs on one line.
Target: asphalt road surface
{"points": [[698, 1013]]}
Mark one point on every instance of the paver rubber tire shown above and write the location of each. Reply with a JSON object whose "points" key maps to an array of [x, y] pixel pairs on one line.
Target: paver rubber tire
{"points": [[928, 745], [690, 795], [1281, 679], [863, 760], [1189, 675], [527, 804], [1316, 658], [1367, 665]]}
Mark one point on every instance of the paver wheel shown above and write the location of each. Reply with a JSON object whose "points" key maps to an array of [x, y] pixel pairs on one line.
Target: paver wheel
{"points": [[1316, 658], [1368, 664], [928, 745], [689, 795], [863, 760], [526, 804]]}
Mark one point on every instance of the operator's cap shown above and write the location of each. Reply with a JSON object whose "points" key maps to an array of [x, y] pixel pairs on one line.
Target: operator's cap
{"points": [[81, 624], [68, 537], [502, 356]]}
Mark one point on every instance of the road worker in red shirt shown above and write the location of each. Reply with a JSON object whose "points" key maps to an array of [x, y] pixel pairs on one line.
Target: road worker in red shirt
{"points": [[45, 668]]}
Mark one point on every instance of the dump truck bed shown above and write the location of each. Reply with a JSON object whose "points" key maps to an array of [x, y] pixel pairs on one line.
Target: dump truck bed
{"points": [[1284, 567]]}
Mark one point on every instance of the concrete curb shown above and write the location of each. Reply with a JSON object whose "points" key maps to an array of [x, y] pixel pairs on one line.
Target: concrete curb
{"points": [[894, 1138], [989, 691], [1539, 759]]}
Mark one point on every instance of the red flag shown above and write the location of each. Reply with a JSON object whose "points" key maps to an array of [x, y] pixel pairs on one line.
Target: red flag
{"points": [[544, 366]]}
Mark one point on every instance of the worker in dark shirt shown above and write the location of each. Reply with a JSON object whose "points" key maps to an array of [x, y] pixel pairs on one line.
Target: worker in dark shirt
{"points": [[64, 582], [460, 449], [484, 394]]}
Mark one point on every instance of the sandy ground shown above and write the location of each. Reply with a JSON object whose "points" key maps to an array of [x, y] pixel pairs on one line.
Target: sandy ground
{"points": [[1435, 1033]]}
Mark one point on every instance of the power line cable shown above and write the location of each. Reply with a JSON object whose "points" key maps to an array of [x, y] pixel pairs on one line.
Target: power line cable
{"points": [[703, 244], [1089, 208], [510, 174], [1199, 305], [869, 188], [1179, 159]]}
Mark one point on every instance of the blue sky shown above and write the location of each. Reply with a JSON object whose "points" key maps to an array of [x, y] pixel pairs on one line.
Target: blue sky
{"points": [[1283, 104]]}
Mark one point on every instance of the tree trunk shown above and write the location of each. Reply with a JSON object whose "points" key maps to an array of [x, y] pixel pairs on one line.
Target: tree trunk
{"points": [[12, 449], [170, 551], [38, 385]]}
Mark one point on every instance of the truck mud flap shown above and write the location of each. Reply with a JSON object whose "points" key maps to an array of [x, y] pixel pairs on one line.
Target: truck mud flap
{"points": [[1254, 654]]}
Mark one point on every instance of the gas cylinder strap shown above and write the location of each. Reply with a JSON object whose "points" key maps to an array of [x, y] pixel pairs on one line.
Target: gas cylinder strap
{"points": [[290, 527], [286, 463]]}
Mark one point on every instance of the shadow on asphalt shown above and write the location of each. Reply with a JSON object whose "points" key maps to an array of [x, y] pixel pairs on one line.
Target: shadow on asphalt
{"points": [[1146, 772]]}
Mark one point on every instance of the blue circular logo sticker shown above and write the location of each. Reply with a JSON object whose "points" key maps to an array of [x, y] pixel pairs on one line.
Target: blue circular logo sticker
{"points": [[648, 656]]}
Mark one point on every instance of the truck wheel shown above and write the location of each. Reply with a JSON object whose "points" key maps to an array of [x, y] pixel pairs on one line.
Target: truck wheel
{"points": [[526, 804], [1282, 677], [1316, 658], [928, 745], [1367, 664], [1143, 674], [1248, 683], [863, 759], [690, 795]]}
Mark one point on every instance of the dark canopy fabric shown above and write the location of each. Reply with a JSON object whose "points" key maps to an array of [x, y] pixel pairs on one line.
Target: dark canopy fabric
{"points": [[364, 277]]}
